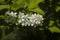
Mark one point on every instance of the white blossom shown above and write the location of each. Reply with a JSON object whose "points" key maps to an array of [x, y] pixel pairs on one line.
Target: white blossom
{"points": [[32, 24], [26, 19], [23, 24], [19, 21]]}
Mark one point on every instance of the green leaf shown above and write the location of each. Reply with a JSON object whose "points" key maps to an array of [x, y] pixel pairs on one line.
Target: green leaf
{"points": [[54, 29], [4, 6], [41, 29], [2, 26], [57, 8], [37, 10], [51, 23], [2, 16], [2, 1], [19, 4], [15, 7], [34, 4]]}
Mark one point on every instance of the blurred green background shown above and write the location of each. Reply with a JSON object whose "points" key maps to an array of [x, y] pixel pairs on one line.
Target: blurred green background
{"points": [[50, 30]]}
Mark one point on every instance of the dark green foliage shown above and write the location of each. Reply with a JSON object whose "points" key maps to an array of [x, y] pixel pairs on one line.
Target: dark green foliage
{"points": [[50, 9]]}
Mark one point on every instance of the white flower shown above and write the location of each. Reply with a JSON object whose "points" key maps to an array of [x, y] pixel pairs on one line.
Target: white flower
{"points": [[22, 20], [12, 14], [19, 21], [38, 22], [26, 19], [26, 15], [15, 14], [28, 24], [21, 14], [31, 20], [32, 24], [23, 24]]}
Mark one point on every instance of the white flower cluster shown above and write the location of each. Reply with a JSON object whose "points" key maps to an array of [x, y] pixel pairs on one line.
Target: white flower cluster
{"points": [[11, 17], [26, 19]]}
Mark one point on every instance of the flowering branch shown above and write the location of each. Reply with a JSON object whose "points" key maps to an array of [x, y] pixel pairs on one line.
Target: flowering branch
{"points": [[24, 19]]}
